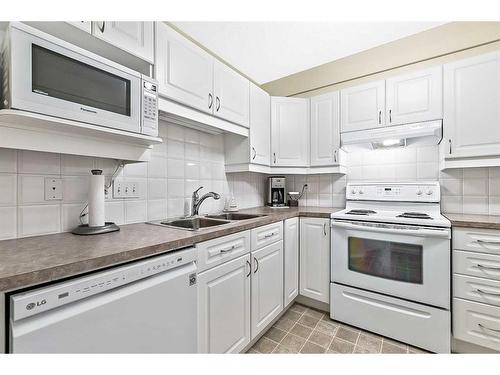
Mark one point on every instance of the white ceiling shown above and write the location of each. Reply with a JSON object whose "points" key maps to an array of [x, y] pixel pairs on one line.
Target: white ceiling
{"points": [[266, 51]]}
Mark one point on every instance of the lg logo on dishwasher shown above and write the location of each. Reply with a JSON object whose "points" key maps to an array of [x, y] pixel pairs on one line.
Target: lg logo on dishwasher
{"points": [[32, 305]]}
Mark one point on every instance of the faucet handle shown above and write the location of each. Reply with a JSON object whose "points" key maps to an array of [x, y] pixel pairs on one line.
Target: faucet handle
{"points": [[195, 193]]}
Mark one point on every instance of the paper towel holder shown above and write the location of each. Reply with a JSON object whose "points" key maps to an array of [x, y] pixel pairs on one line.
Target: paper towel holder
{"points": [[86, 230]]}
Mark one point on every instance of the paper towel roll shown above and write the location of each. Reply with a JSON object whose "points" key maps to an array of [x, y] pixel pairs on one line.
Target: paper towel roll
{"points": [[96, 199]]}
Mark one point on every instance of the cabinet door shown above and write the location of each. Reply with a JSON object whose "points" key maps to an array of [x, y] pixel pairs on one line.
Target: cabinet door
{"points": [[267, 286], [289, 132], [135, 37], [415, 97], [224, 307], [362, 107], [232, 95], [260, 126], [325, 129], [291, 259], [184, 70], [471, 106], [315, 258]]}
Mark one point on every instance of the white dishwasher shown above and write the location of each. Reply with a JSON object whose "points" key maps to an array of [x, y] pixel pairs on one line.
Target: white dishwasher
{"points": [[148, 306]]}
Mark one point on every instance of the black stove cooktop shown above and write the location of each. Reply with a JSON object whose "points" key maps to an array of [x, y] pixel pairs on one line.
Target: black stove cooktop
{"points": [[415, 215]]}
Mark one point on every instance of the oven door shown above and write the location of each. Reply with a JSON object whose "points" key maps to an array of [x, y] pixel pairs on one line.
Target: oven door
{"points": [[55, 78], [398, 260]]}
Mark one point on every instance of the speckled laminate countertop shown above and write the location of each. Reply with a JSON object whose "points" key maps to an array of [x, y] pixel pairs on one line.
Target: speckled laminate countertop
{"points": [[35, 260], [474, 221]]}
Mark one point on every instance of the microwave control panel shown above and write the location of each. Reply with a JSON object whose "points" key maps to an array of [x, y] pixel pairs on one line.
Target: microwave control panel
{"points": [[149, 107]]}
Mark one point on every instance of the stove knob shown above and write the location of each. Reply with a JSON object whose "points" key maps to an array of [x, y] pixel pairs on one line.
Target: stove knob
{"points": [[353, 191], [419, 192], [360, 191], [428, 192]]}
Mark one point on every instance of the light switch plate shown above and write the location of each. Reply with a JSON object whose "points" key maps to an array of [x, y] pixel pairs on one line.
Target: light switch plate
{"points": [[126, 189], [53, 189]]}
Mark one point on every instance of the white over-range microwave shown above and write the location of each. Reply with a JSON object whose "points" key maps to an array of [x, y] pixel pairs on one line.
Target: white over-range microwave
{"points": [[46, 75]]}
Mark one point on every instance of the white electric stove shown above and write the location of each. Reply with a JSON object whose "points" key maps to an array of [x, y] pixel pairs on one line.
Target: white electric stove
{"points": [[390, 263]]}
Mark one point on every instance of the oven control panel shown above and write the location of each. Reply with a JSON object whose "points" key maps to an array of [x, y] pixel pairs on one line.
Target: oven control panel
{"points": [[407, 192]]}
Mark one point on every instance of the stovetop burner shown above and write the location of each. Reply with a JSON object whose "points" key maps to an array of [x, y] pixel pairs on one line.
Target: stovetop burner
{"points": [[360, 212], [415, 215]]}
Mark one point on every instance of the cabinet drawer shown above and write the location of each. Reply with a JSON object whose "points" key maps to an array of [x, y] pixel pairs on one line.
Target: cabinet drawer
{"points": [[266, 235], [476, 264], [219, 250], [478, 240], [477, 289], [416, 324], [476, 323]]}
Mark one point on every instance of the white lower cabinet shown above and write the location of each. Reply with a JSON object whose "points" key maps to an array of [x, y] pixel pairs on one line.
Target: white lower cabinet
{"points": [[238, 299], [291, 260], [267, 286], [315, 258], [476, 286], [224, 307]]}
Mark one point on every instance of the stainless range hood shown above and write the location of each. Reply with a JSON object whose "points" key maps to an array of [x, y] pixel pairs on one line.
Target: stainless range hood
{"points": [[416, 134]]}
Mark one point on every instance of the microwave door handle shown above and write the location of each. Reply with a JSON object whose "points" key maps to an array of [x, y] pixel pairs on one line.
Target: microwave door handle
{"points": [[421, 232]]}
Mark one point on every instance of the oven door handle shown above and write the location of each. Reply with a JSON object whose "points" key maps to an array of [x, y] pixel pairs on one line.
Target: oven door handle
{"points": [[421, 232]]}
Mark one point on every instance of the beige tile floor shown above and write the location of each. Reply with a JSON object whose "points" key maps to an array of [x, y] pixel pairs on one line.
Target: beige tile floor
{"points": [[305, 330]]}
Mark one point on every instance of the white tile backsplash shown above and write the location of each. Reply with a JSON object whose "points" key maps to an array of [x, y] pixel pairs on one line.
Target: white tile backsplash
{"points": [[185, 160]]}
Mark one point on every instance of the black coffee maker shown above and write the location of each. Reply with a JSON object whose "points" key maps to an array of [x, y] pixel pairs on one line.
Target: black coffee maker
{"points": [[276, 195]]}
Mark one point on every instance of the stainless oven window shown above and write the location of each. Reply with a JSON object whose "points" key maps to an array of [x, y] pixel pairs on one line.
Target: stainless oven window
{"points": [[62, 77], [386, 259]]}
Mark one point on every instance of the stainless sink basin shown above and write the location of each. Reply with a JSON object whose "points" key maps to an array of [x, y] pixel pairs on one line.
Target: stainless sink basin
{"points": [[234, 216], [191, 223]]}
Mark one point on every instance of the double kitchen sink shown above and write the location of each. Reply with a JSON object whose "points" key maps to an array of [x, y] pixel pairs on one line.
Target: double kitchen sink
{"points": [[194, 223]]}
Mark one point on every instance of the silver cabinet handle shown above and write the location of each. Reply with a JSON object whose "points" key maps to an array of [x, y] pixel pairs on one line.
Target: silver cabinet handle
{"points": [[489, 329], [269, 235], [488, 293], [379, 117], [488, 267], [488, 242], [217, 103], [256, 265], [449, 141], [274, 156], [249, 268], [390, 115], [254, 153], [335, 156], [324, 229], [102, 27], [210, 100], [228, 250]]}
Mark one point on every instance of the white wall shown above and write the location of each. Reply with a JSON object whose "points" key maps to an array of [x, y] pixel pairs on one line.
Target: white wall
{"points": [[186, 160]]}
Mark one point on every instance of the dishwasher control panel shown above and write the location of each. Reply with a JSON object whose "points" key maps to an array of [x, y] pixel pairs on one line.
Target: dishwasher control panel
{"points": [[50, 297]]}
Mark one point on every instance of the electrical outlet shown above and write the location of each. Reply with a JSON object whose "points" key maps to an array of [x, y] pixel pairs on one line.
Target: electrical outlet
{"points": [[53, 189], [125, 189]]}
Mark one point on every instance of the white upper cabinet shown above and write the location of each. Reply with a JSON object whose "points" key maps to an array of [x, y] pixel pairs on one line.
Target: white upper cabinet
{"points": [[315, 258], [184, 70], [232, 95], [135, 37], [472, 107], [260, 126], [415, 97], [291, 259], [267, 286], [363, 106], [224, 307], [289, 132], [325, 129]]}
